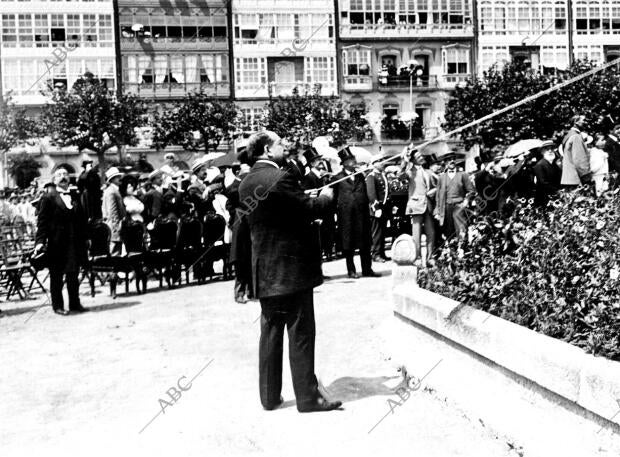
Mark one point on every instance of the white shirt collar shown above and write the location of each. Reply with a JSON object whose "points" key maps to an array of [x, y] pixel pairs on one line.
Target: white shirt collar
{"points": [[270, 162]]}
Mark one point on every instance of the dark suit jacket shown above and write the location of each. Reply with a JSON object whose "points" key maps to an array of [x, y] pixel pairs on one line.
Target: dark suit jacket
{"points": [[62, 230], [153, 201], [311, 181], [353, 210], [547, 180], [612, 148], [280, 219]]}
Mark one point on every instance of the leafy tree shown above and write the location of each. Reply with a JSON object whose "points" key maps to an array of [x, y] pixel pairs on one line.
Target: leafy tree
{"points": [[24, 169], [90, 117], [198, 123], [15, 126], [596, 96], [301, 118]]}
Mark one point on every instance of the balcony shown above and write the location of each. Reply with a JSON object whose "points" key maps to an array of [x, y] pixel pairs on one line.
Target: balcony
{"points": [[357, 83], [176, 90], [405, 83], [173, 44], [286, 89], [383, 31], [451, 81]]}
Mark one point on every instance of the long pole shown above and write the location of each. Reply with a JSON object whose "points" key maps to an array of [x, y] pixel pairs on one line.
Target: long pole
{"points": [[410, 105]]}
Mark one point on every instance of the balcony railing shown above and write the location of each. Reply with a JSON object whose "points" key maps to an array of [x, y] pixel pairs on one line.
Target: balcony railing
{"points": [[176, 90], [406, 30], [358, 83], [401, 134], [285, 89], [402, 83], [137, 43]]}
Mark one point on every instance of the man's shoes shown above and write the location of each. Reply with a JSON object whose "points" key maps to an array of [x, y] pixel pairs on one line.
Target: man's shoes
{"points": [[386, 258], [371, 274], [353, 275], [241, 299], [78, 309], [318, 405], [326, 278], [61, 311], [378, 259], [276, 406]]}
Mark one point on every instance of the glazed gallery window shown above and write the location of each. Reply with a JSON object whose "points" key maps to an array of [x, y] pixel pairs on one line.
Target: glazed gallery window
{"points": [[455, 61], [176, 69], [356, 62], [408, 12], [522, 17], [42, 30], [163, 25]]}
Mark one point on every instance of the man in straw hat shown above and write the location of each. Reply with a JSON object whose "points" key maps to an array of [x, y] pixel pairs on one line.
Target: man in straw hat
{"points": [[113, 208], [285, 269]]}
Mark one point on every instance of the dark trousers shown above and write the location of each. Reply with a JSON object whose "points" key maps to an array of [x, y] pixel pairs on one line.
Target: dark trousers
{"points": [[365, 258], [73, 289], [455, 223], [427, 222], [377, 227], [296, 312]]}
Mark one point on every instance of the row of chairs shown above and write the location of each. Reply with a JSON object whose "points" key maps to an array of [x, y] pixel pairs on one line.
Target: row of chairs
{"points": [[16, 247], [172, 248]]}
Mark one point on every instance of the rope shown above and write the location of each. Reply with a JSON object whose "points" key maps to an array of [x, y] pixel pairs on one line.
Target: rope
{"points": [[483, 119]]}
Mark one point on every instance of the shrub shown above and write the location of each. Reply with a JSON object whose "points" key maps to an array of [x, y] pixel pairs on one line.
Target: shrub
{"points": [[554, 270]]}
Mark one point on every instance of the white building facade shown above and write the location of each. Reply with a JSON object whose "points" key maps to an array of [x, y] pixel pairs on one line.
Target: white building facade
{"points": [[280, 46], [545, 33], [402, 58], [49, 43]]}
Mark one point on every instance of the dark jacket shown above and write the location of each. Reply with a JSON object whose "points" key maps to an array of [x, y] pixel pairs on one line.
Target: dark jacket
{"points": [[311, 181], [63, 232], [612, 148], [89, 185], [548, 177], [353, 210], [153, 201], [280, 219]]}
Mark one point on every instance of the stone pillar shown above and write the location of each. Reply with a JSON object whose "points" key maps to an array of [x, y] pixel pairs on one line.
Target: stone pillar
{"points": [[404, 254]]}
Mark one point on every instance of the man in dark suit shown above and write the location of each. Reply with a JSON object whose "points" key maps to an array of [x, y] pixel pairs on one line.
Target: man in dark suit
{"points": [[353, 212], [285, 269], [240, 243], [89, 186], [154, 198], [317, 177], [612, 148], [61, 228], [547, 174], [377, 188]]}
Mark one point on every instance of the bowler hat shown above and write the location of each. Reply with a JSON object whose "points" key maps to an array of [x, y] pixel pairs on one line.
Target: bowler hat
{"points": [[345, 154]]}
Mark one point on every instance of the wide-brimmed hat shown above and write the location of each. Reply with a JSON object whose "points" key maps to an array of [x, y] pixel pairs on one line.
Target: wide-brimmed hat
{"points": [[169, 155], [345, 154], [198, 164], [112, 173]]}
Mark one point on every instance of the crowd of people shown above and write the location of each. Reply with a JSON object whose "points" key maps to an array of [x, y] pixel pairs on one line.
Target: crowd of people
{"points": [[416, 194]]}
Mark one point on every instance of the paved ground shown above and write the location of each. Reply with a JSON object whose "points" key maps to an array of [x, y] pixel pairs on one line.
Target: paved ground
{"points": [[88, 384]]}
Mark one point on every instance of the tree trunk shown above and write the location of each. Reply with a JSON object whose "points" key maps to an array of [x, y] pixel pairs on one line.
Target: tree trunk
{"points": [[119, 149], [102, 165]]}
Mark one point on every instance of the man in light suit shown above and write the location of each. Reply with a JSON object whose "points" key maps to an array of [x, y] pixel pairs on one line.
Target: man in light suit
{"points": [[576, 161], [453, 189], [421, 204], [114, 209], [285, 269]]}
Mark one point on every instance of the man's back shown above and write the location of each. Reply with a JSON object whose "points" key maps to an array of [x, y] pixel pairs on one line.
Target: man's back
{"points": [[284, 258]]}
